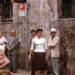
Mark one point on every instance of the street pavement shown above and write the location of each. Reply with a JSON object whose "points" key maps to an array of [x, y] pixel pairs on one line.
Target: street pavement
{"points": [[22, 72]]}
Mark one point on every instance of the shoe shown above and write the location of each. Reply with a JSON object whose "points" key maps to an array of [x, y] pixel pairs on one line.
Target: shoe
{"points": [[11, 73], [14, 71]]}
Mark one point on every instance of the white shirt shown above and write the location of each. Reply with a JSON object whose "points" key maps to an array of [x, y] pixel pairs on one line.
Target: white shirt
{"points": [[39, 44], [55, 44], [2, 45]]}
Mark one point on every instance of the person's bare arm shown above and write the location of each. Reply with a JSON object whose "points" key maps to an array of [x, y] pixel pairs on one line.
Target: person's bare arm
{"points": [[46, 50], [31, 49]]}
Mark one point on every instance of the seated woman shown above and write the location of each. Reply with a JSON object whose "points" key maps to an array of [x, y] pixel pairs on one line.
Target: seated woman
{"points": [[3, 58]]}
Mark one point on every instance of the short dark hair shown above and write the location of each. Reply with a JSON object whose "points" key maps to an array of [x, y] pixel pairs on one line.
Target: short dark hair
{"points": [[33, 31], [39, 30]]}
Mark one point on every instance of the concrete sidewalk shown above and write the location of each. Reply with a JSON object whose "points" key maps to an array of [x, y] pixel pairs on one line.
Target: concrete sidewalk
{"points": [[22, 72]]}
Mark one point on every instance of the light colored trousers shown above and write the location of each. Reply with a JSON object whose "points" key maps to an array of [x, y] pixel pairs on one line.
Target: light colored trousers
{"points": [[55, 65]]}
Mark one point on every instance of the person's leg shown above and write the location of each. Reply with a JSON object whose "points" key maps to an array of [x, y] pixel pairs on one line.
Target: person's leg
{"points": [[55, 65], [17, 63], [32, 72], [14, 62], [49, 69], [36, 72], [10, 64], [45, 73], [32, 67]]}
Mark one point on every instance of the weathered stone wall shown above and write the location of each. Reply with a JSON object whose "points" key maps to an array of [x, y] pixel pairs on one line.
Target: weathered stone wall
{"points": [[66, 29], [43, 14], [67, 46], [40, 14]]}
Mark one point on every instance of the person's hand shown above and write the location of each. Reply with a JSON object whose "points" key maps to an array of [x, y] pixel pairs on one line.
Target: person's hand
{"points": [[51, 47], [46, 58], [29, 57], [2, 56], [9, 49], [1, 43]]}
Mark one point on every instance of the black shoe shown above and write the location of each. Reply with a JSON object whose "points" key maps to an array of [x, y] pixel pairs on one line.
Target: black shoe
{"points": [[14, 71], [11, 70]]}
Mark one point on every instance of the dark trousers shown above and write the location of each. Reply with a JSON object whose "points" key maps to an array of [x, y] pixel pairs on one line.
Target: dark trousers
{"points": [[32, 72], [13, 62]]}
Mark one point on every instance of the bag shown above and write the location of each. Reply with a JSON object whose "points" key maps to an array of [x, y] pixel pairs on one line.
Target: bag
{"points": [[6, 51], [32, 55]]}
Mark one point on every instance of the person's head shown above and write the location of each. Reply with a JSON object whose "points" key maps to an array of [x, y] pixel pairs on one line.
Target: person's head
{"points": [[33, 33], [39, 32], [1, 34], [13, 32], [53, 32]]}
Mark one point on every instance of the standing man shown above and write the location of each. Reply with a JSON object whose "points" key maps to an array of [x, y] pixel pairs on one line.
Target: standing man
{"points": [[53, 45], [33, 35], [13, 45]]}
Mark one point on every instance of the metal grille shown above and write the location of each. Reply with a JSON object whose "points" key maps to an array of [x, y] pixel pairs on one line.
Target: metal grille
{"points": [[68, 10], [6, 11], [20, 1]]}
